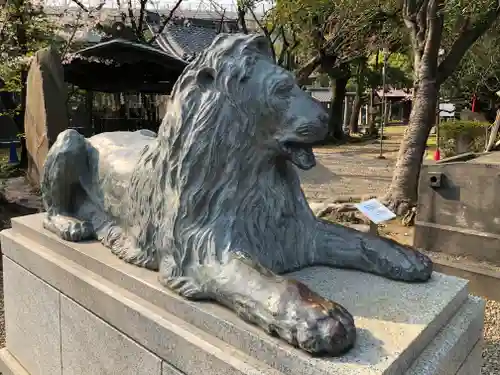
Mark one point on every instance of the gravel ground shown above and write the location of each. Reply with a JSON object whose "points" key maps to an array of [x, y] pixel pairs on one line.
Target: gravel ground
{"points": [[2, 317], [491, 351]]}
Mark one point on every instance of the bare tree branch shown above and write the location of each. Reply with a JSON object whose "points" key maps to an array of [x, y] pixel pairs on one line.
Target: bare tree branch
{"points": [[142, 9], [122, 14], [221, 23], [241, 18], [468, 36], [265, 30], [72, 36], [89, 10], [131, 16], [287, 49], [165, 22], [81, 5], [307, 69]]}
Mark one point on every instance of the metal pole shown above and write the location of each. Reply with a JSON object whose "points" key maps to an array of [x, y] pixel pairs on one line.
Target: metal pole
{"points": [[438, 119]]}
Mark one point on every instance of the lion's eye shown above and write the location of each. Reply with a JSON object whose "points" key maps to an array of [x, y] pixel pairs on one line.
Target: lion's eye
{"points": [[283, 89]]}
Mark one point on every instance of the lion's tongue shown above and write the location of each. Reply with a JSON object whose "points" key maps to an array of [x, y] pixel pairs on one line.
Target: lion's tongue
{"points": [[302, 157]]}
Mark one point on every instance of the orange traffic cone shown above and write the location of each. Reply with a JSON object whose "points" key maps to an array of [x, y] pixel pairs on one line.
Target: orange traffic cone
{"points": [[437, 155]]}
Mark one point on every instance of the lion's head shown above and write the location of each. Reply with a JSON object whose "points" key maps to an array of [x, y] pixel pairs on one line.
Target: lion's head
{"points": [[235, 83], [218, 171]]}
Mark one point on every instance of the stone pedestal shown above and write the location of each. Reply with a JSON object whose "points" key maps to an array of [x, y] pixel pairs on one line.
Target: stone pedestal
{"points": [[74, 308]]}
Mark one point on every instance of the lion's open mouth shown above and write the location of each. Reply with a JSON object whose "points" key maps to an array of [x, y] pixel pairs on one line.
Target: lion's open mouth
{"points": [[300, 154]]}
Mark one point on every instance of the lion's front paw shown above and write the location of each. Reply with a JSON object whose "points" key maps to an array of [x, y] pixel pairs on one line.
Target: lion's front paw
{"points": [[399, 262], [313, 323]]}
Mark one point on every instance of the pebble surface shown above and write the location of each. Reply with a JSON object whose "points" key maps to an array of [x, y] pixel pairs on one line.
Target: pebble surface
{"points": [[491, 351]]}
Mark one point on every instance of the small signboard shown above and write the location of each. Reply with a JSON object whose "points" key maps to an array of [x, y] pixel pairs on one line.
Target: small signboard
{"points": [[375, 211], [446, 110]]}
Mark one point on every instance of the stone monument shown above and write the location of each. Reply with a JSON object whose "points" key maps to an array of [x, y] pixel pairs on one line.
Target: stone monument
{"points": [[46, 113], [214, 204]]}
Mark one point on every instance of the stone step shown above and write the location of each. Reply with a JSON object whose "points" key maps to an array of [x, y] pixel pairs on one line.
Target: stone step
{"points": [[484, 277], [395, 321], [449, 353], [9, 365], [75, 317]]}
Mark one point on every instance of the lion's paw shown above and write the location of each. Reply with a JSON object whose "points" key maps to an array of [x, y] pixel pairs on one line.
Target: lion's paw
{"points": [[69, 228], [398, 262], [314, 324]]}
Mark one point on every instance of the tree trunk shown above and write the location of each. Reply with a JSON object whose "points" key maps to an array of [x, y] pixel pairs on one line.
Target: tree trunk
{"points": [[339, 89], [358, 100], [372, 129], [354, 118], [425, 20], [426, 41], [387, 112], [242, 23], [402, 194]]}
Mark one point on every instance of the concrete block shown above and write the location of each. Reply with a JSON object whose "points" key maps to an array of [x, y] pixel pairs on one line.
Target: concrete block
{"points": [[474, 362], [91, 346], [168, 369], [452, 346], [396, 321], [32, 315], [393, 318]]}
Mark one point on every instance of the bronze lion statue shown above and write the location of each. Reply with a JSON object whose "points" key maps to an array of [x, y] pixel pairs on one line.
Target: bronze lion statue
{"points": [[213, 201]]}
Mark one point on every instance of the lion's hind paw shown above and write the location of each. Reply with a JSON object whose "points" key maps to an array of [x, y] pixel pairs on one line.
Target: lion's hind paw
{"points": [[186, 287], [69, 228]]}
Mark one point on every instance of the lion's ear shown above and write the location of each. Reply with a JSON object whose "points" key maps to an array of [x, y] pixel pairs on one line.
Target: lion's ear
{"points": [[205, 77], [260, 43]]}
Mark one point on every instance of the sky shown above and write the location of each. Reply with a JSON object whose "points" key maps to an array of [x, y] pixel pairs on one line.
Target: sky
{"points": [[229, 5]]}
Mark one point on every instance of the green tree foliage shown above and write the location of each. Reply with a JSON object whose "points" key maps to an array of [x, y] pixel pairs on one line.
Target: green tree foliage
{"points": [[334, 33], [399, 71], [479, 71], [25, 28]]}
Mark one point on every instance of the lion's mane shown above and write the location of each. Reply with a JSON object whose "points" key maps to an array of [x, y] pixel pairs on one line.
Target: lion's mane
{"points": [[205, 187]]}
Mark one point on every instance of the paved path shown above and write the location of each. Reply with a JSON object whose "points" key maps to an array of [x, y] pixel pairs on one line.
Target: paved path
{"points": [[351, 170]]}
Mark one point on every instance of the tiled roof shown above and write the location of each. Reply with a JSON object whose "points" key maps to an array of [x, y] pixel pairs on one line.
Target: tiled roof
{"points": [[189, 40], [184, 38], [324, 96]]}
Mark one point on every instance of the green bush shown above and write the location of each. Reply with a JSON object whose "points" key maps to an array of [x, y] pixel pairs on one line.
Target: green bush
{"points": [[458, 136]]}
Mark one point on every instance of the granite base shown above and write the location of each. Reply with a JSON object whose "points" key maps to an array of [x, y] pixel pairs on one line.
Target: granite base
{"points": [[76, 309]]}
